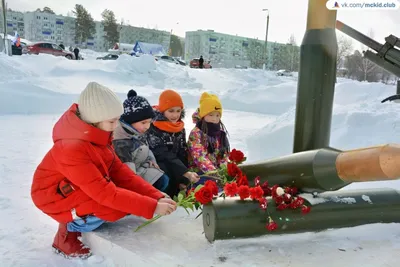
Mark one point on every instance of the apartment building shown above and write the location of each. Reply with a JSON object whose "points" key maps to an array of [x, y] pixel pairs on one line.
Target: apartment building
{"points": [[43, 26], [130, 35], [14, 21], [227, 51]]}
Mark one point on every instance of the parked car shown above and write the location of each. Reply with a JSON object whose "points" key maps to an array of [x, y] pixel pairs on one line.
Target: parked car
{"points": [[284, 73], [194, 63], [49, 48], [167, 59], [108, 57], [180, 61]]}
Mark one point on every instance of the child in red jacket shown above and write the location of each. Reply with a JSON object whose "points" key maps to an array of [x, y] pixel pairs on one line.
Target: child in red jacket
{"points": [[81, 183]]}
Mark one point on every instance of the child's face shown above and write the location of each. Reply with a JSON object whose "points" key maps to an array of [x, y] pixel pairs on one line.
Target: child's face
{"points": [[142, 126], [213, 117], [173, 114], [108, 125]]}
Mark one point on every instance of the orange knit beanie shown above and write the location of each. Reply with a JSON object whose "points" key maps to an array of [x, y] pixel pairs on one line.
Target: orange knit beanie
{"points": [[169, 99]]}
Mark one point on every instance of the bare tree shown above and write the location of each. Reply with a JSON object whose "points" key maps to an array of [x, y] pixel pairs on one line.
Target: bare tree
{"points": [[345, 47], [368, 67], [294, 53]]}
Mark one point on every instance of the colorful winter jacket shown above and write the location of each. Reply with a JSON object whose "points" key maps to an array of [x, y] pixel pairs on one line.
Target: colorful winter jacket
{"points": [[200, 159], [81, 175]]}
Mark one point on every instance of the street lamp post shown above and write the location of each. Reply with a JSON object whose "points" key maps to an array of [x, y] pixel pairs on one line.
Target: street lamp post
{"points": [[266, 39], [170, 41]]}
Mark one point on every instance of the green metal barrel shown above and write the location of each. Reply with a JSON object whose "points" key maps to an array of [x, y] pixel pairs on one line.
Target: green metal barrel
{"points": [[310, 171], [232, 218]]}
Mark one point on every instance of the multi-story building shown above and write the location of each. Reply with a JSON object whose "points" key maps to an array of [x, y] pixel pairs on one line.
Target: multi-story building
{"points": [[15, 23], [44, 26], [98, 43], [227, 51], [130, 35]]}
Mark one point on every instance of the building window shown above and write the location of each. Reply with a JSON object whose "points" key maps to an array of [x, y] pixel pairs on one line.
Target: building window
{"points": [[37, 17]]}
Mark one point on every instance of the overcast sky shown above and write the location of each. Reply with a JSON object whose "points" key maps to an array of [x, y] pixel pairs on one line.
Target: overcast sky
{"points": [[244, 18]]}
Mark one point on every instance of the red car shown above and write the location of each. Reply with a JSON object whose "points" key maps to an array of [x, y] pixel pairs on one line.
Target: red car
{"points": [[49, 48], [194, 63]]}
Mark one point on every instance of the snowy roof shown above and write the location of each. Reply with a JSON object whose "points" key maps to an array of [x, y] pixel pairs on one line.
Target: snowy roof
{"points": [[148, 48]]}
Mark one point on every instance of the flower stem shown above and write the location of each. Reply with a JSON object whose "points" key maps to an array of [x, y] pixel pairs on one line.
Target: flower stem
{"points": [[148, 222]]}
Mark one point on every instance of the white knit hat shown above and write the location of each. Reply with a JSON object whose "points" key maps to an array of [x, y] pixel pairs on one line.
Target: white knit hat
{"points": [[98, 103]]}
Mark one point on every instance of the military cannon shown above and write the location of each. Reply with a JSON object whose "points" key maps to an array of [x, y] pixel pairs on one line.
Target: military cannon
{"points": [[386, 56], [314, 167]]}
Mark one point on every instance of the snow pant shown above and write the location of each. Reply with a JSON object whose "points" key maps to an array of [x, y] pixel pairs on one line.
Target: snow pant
{"points": [[76, 56], [84, 225]]}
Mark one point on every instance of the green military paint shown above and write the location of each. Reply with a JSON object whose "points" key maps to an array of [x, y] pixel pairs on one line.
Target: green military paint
{"points": [[315, 90], [233, 218], [310, 171]]}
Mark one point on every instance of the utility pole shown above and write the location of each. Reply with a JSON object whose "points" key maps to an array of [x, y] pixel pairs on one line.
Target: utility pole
{"points": [[3, 7], [266, 40]]}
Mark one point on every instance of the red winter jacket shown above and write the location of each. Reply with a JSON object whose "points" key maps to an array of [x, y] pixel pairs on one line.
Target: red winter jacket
{"points": [[83, 155]]}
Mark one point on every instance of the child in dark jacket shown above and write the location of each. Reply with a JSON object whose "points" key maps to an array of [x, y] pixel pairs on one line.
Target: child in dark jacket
{"points": [[167, 140], [131, 145]]}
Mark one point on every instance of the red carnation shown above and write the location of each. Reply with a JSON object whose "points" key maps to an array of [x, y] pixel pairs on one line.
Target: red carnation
{"points": [[291, 190], [204, 195], [266, 189], [236, 156], [282, 206], [287, 198], [231, 189], [295, 204], [278, 200], [300, 200], [233, 170], [256, 192], [273, 191], [305, 209], [242, 180], [213, 186], [244, 192], [271, 226], [263, 203]]}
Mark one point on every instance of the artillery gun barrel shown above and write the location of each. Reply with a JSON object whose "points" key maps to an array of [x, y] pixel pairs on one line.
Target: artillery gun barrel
{"points": [[234, 218], [387, 51], [328, 169]]}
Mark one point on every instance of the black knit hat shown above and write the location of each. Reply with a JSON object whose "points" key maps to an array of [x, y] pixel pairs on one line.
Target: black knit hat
{"points": [[136, 108]]}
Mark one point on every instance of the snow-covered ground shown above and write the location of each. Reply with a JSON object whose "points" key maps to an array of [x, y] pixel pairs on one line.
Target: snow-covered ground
{"points": [[259, 114]]}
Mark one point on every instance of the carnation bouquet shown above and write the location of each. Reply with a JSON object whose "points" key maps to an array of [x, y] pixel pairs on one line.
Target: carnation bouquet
{"points": [[230, 181]]}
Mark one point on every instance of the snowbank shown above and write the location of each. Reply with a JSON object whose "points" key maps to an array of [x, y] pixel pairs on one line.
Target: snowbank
{"points": [[359, 120], [245, 90]]}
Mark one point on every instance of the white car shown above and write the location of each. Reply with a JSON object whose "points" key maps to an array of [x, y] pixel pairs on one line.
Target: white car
{"points": [[284, 73]]}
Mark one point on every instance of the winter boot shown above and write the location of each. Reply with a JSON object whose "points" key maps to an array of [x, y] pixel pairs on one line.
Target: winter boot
{"points": [[68, 244]]}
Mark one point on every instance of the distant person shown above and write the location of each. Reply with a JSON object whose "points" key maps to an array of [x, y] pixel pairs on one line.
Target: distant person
{"points": [[201, 61], [76, 52], [81, 183]]}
